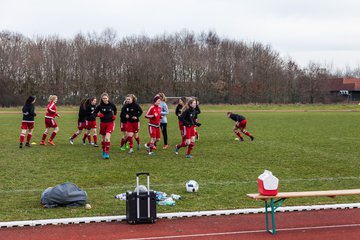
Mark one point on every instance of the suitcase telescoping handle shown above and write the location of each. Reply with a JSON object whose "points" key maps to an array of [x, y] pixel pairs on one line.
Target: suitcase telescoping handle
{"points": [[137, 193]]}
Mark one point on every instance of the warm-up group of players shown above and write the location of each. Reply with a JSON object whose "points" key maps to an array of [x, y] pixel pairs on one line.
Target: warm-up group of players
{"points": [[187, 112]]}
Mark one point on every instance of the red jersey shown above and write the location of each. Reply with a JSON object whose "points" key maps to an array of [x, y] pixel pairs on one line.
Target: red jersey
{"points": [[154, 115], [51, 110]]}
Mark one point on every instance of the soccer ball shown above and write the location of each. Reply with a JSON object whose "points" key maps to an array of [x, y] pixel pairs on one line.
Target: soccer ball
{"points": [[192, 186]]}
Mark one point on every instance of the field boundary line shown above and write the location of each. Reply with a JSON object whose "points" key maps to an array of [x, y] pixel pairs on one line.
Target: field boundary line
{"points": [[120, 218], [180, 184]]}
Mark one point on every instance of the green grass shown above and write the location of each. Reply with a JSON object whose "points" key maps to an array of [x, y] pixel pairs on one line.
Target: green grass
{"points": [[306, 150]]}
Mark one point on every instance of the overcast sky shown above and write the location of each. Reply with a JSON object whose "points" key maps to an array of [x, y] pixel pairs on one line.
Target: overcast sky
{"points": [[323, 31]]}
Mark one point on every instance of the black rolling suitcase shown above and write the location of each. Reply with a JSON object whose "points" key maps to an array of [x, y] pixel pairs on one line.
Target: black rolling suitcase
{"points": [[141, 206]]}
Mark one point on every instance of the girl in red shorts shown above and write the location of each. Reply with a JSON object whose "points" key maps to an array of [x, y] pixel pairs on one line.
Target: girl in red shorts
{"points": [[50, 122], [181, 104], [131, 111], [188, 119], [28, 121], [91, 120], [154, 115], [81, 122], [240, 126], [106, 111]]}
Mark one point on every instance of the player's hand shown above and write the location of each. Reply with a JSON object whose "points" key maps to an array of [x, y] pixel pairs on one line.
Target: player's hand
{"points": [[198, 124], [127, 116], [100, 115], [134, 117], [58, 115]]}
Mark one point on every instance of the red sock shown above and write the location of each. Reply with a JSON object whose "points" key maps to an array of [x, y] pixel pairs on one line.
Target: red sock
{"points": [[95, 138], [137, 140], [239, 135], [103, 145], [28, 138], [246, 133], [107, 147], [151, 146], [182, 144], [74, 135], [131, 143], [190, 147], [89, 138], [52, 136], [22, 137], [44, 136], [122, 142], [84, 137]]}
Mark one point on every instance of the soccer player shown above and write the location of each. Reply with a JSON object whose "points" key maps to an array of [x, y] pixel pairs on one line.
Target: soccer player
{"points": [[28, 121], [50, 122], [163, 120], [181, 104], [106, 111], [240, 126], [91, 120], [188, 118], [131, 111], [197, 109], [154, 115], [81, 122], [124, 139]]}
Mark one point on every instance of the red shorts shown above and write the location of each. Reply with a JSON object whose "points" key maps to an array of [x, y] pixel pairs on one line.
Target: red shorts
{"points": [[241, 124], [90, 124], [106, 127], [132, 127], [154, 132], [50, 123], [189, 132], [27, 125], [81, 125], [123, 126]]}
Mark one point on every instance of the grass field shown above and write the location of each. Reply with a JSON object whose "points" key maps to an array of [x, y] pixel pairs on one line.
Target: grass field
{"points": [[306, 149]]}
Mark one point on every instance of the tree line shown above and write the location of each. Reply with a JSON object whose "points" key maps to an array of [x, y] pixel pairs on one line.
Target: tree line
{"points": [[214, 69]]}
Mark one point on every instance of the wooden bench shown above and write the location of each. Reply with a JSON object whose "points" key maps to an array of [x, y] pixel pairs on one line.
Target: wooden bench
{"points": [[282, 196]]}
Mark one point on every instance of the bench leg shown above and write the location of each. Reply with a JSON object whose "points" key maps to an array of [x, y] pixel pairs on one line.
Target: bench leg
{"points": [[273, 223]]}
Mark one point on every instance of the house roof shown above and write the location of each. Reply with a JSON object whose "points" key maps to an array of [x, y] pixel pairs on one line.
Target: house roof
{"points": [[337, 84]]}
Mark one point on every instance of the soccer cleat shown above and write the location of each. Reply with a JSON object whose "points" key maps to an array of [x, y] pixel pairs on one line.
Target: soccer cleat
{"points": [[51, 142], [20, 145], [138, 146], [241, 139], [95, 145], [83, 142], [176, 149], [151, 153], [131, 151], [252, 138], [71, 141], [103, 154], [27, 144], [127, 146], [106, 156], [165, 146], [42, 142], [122, 148], [188, 156]]}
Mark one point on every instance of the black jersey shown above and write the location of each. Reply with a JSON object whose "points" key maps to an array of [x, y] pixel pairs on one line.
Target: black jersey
{"points": [[90, 109], [133, 110], [178, 110], [188, 117], [108, 110], [28, 111], [237, 117], [82, 114]]}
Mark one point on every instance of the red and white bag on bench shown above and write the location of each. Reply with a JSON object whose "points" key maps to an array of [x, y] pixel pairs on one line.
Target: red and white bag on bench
{"points": [[268, 184]]}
